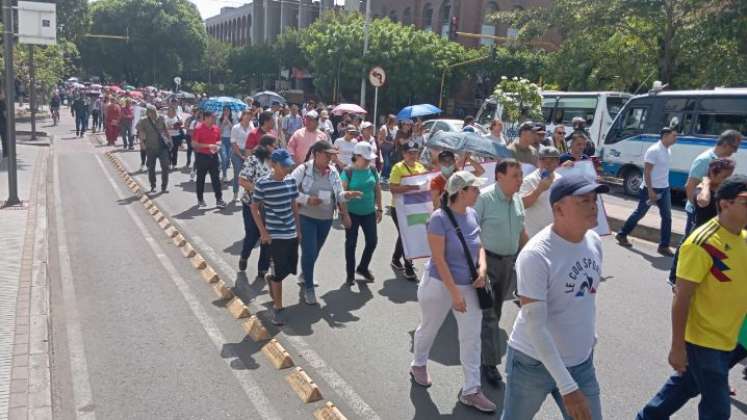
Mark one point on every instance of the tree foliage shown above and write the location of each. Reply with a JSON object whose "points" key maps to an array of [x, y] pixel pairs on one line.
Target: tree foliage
{"points": [[414, 59], [166, 37], [622, 44]]}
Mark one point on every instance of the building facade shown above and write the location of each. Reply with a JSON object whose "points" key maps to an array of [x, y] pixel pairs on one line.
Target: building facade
{"points": [[471, 16], [261, 21]]}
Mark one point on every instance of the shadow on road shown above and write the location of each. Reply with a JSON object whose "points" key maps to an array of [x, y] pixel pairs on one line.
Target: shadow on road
{"points": [[426, 409], [659, 262], [398, 290]]}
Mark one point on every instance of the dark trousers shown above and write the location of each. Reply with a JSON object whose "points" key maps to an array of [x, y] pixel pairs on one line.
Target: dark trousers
{"points": [[125, 130], [689, 227], [188, 140], [367, 223], [95, 120], [163, 157], [399, 252], [81, 123], [665, 210], [502, 278], [251, 237], [176, 142], [143, 155], [707, 374], [205, 164]]}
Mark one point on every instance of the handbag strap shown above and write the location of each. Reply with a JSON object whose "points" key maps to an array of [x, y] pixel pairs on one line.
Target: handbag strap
{"points": [[460, 235]]}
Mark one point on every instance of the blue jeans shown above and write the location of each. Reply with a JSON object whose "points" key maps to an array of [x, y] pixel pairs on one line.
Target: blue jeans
{"points": [[81, 123], [251, 237], [367, 223], [665, 211], [313, 234], [127, 137], [707, 374], [236, 162], [225, 155], [386, 168], [528, 383]]}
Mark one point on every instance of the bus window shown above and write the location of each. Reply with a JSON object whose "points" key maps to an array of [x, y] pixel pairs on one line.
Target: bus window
{"points": [[570, 107], [614, 105], [548, 105], [715, 124], [635, 120], [631, 124]]}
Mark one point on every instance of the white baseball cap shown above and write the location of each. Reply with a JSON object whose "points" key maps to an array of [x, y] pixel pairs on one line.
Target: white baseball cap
{"points": [[463, 179], [364, 150]]}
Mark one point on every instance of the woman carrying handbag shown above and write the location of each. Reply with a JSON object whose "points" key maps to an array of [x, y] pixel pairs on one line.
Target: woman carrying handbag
{"points": [[451, 282]]}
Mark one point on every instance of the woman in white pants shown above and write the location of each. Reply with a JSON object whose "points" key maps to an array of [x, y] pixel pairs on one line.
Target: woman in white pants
{"points": [[448, 285]]}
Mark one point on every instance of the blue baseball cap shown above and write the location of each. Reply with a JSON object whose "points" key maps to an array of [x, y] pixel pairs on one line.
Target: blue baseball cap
{"points": [[282, 157], [574, 185]]}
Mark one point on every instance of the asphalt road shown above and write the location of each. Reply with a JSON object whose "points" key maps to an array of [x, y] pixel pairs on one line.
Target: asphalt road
{"points": [[158, 344]]}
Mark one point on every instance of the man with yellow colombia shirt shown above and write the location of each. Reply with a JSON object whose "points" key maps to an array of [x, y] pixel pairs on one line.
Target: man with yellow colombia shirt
{"points": [[709, 308]]}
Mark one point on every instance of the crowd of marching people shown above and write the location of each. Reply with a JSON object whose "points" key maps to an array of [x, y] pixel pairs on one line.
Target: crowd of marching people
{"points": [[510, 234]]}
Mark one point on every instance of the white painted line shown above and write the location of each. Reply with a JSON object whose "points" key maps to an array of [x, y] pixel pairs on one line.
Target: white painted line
{"points": [[334, 379], [330, 375], [82, 395], [256, 396]]}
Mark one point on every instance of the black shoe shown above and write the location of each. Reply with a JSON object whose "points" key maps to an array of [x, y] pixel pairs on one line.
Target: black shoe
{"points": [[220, 204], [242, 264], [152, 190], [665, 251], [623, 240], [350, 279], [410, 273], [201, 204], [164, 190], [397, 266], [366, 275], [492, 375]]}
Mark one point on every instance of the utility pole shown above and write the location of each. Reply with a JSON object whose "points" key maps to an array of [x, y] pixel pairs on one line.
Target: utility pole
{"points": [[32, 71], [365, 51], [10, 104]]}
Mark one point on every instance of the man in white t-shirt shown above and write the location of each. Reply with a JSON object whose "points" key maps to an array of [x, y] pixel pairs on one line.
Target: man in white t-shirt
{"points": [[552, 342], [655, 190], [345, 145], [535, 191]]}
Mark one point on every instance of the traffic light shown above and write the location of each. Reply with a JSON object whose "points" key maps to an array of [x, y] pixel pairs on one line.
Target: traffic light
{"points": [[453, 28]]}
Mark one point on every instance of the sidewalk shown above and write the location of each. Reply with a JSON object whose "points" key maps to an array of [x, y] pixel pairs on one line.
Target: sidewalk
{"points": [[24, 356]]}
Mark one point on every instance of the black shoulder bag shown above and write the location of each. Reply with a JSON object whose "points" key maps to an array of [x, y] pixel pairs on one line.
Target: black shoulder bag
{"points": [[484, 294]]}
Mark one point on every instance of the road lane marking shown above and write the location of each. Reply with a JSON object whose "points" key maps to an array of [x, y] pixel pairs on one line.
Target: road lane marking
{"points": [[82, 395], [257, 397], [301, 346]]}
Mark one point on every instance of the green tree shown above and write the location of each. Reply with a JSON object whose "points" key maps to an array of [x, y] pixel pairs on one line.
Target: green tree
{"points": [[414, 59], [622, 44], [166, 37], [253, 63]]}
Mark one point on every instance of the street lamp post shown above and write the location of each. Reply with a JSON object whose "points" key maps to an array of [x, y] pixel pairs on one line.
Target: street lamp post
{"points": [[365, 51], [10, 108]]}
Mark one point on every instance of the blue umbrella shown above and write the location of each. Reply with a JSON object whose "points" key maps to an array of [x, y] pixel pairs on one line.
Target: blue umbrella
{"points": [[414, 111], [463, 141], [216, 104]]}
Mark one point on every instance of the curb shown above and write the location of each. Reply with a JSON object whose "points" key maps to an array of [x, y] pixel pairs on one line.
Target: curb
{"points": [[299, 380], [647, 233]]}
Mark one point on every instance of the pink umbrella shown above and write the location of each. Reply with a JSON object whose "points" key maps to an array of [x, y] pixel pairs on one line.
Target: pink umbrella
{"points": [[135, 94], [348, 109]]}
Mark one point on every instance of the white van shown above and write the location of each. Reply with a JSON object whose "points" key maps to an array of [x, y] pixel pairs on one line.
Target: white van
{"points": [[599, 109], [701, 115]]}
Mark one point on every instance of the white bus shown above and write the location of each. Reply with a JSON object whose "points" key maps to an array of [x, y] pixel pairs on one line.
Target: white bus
{"points": [[599, 109], [699, 115]]}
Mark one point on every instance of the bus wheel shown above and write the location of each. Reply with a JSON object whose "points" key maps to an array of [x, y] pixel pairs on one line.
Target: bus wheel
{"points": [[632, 179]]}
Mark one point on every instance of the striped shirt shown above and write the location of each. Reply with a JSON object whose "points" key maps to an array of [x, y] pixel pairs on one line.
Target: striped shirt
{"points": [[277, 198]]}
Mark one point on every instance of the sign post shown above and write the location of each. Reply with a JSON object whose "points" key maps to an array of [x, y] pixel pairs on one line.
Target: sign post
{"points": [[177, 82], [377, 77], [10, 106]]}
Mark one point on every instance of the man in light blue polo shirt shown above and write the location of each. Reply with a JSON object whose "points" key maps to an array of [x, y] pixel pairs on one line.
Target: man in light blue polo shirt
{"points": [[500, 212]]}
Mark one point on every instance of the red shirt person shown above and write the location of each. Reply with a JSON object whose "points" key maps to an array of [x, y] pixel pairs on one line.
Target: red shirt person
{"points": [[266, 126], [205, 141]]}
